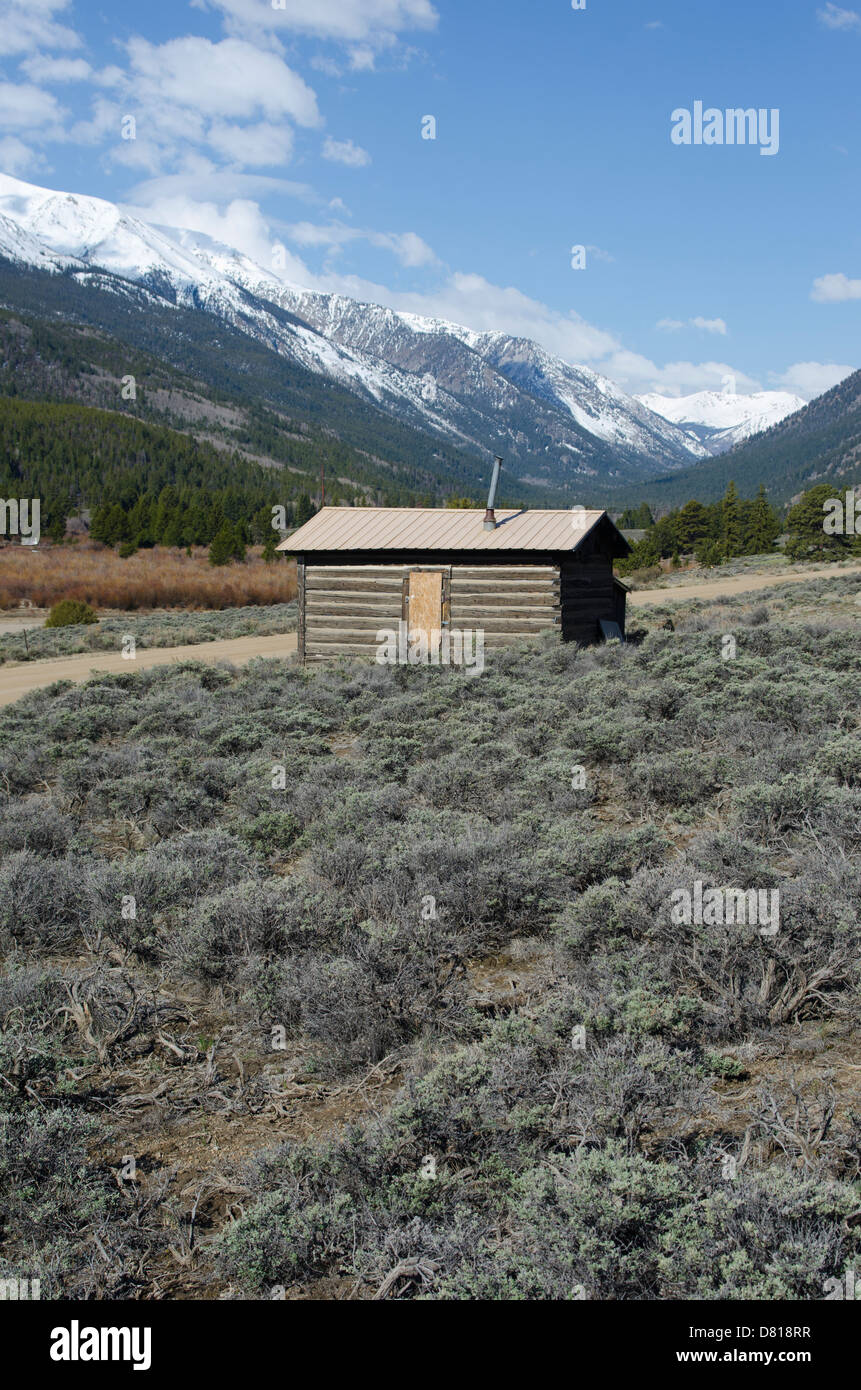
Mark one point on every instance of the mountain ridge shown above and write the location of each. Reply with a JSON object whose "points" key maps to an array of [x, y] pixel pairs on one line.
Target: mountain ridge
{"points": [[820, 443], [721, 419], [489, 392]]}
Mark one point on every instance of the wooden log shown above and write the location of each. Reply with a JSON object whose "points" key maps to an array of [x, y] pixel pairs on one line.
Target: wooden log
{"points": [[359, 571], [300, 626], [315, 584], [349, 623], [517, 572], [493, 594]]}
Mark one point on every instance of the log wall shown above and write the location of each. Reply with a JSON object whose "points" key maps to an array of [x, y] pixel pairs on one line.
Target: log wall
{"points": [[342, 607]]}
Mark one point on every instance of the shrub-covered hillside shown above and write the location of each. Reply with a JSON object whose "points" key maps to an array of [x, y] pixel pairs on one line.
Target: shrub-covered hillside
{"points": [[367, 982]]}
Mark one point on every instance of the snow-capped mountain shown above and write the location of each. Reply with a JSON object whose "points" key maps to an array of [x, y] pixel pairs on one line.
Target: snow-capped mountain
{"points": [[720, 419], [488, 392]]}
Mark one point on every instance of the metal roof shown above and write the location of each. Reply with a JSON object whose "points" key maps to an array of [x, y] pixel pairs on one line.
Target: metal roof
{"points": [[441, 528]]}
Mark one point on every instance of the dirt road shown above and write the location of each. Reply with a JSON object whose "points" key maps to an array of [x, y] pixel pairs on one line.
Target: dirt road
{"points": [[741, 584], [15, 681]]}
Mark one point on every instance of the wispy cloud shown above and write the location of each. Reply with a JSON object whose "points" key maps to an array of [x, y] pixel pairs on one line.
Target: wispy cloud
{"points": [[835, 18], [834, 289], [408, 247], [809, 379], [704, 325], [26, 27], [710, 325], [349, 21], [345, 152]]}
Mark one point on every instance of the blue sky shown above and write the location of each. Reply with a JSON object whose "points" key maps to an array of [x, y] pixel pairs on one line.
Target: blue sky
{"points": [[301, 126]]}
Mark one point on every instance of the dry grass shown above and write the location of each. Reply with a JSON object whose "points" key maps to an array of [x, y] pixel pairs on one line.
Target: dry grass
{"points": [[157, 578]]}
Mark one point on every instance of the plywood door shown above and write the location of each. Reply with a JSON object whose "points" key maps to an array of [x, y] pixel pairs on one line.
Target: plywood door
{"points": [[425, 606]]}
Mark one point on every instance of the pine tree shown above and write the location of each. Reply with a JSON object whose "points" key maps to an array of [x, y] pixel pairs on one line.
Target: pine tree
{"points": [[692, 525], [223, 545], [762, 525], [808, 539], [732, 533]]}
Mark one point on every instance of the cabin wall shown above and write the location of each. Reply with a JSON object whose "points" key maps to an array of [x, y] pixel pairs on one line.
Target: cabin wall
{"points": [[346, 606], [506, 601], [343, 607], [589, 593]]}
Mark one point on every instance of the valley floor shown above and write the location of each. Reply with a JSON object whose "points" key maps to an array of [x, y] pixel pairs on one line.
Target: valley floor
{"points": [[417, 1020], [16, 681], [698, 585]]}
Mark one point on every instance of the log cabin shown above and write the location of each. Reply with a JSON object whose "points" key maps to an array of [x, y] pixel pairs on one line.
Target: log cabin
{"points": [[508, 574]]}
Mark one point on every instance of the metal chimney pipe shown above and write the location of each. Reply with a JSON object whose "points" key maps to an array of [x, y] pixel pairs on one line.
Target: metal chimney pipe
{"points": [[490, 516]]}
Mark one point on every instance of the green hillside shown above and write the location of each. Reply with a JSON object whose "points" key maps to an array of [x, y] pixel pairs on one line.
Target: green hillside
{"points": [[60, 340]]}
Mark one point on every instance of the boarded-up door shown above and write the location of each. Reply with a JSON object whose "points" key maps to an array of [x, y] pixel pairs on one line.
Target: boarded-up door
{"points": [[424, 612]]}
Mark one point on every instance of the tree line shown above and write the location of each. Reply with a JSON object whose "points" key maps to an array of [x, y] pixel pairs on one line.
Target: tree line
{"points": [[716, 532], [711, 532]]}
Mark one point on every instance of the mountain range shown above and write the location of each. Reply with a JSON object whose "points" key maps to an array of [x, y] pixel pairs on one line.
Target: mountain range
{"points": [[718, 420], [821, 443], [403, 406], [557, 425]]}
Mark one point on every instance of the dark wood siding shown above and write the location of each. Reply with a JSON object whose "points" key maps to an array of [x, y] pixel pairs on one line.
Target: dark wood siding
{"points": [[588, 594]]}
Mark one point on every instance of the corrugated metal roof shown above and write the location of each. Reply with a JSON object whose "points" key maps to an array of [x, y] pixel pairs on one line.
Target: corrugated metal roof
{"points": [[440, 528]]}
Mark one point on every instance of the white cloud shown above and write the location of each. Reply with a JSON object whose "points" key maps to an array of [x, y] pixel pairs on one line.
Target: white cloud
{"points": [[835, 18], [710, 325], [343, 20], [240, 224], [362, 58], [190, 97], [705, 325], [833, 289], [28, 25], [809, 379], [18, 158], [25, 107], [42, 69], [230, 79], [638, 375], [476, 303], [345, 152], [202, 185], [252, 144], [312, 234], [328, 66], [408, 247]]}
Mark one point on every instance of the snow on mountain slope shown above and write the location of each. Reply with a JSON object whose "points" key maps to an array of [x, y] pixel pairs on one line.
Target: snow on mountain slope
{"points": [[496, 374], [721, 419], [489, 391]]}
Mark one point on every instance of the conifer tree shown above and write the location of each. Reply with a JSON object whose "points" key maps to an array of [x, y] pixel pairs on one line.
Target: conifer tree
{"points": [[732, 533]]}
